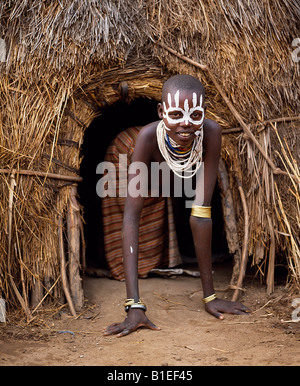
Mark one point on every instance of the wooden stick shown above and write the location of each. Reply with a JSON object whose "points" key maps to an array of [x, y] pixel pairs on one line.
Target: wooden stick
{"points": [[48, 292], [271, 265], [263, 123], [43, 174], [10, 216], [18, 252], [83, 245], [233, 130], [180, 56], [245, 243], [74, 250], [68, 142], [75, 118], [280, 119], [229, 219], [60, 163], [63, 266]]}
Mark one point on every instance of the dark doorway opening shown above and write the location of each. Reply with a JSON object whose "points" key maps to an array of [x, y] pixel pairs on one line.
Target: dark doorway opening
{"points": [[98, 137]]}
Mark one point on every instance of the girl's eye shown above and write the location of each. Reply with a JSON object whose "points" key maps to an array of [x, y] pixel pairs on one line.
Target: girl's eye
{"points": [[196, 115], [175, 114]]}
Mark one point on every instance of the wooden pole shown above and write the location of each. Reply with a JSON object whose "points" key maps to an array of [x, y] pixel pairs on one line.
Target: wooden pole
{"points": [[73, 226], [229, 220], [271, 265], [10, 217], [43, 174], [63, 267], [245, 243]]}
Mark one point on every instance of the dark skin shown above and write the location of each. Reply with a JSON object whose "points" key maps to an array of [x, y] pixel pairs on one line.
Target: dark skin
{"points": [[147, 151]]}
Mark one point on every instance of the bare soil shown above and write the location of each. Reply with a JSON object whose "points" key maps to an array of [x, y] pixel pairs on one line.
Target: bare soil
{"points": [[188, 337]]}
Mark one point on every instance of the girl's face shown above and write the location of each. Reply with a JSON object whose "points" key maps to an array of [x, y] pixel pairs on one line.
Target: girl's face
{"points": [[183, 115]]}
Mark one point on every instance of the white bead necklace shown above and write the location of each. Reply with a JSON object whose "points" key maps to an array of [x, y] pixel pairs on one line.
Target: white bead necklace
{"points": [[176, 163]]}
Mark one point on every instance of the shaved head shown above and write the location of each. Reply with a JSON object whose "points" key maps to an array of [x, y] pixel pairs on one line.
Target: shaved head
{"points": [[182, 82]]}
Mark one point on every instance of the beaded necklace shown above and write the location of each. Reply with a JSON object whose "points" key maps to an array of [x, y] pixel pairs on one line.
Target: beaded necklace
{"points": [[176, 149], [180, 160]]}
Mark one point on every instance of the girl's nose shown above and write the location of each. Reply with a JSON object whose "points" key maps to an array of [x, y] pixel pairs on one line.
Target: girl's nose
{"points": [[185, 123]]}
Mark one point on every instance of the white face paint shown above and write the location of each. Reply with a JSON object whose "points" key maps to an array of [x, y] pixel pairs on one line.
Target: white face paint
{"points": [[186, 113]]}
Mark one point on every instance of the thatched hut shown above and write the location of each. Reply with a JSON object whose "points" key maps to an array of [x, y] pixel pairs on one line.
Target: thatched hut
{"points": [[64, 62]]}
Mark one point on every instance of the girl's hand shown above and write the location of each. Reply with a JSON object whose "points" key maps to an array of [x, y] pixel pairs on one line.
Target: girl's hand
{"points": [[217, 306], [135, 318]]}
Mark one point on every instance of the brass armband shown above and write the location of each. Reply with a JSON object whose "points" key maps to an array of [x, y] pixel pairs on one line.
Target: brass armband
{"points": [[201, 211]]}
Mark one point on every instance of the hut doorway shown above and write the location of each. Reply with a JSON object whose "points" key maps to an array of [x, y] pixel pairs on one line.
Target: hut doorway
{"points": [[98, 136]]}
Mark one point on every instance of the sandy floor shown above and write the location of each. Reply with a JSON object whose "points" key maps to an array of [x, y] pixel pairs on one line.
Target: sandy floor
{"points": [[188, 337]]}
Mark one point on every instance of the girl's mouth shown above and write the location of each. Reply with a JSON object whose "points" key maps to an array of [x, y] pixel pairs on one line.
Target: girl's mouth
{"points": [[184, 134]]}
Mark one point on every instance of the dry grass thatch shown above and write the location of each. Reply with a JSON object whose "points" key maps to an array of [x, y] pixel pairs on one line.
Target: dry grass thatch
{"points": [[65, 59]]}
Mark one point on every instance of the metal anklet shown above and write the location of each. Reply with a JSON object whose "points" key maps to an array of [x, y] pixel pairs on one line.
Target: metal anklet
{"points": [[209, 298], [131, 303]]}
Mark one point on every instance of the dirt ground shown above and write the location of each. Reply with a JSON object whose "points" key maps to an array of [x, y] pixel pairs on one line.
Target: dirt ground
{"points": [[188, 337]]}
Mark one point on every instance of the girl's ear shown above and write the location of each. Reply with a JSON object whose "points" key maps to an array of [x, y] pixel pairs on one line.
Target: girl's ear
{"points": [[160, 110]]}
